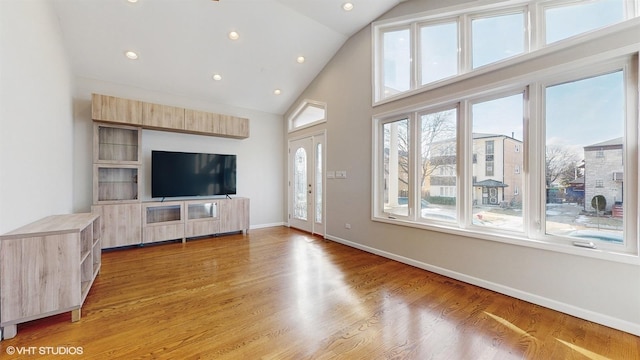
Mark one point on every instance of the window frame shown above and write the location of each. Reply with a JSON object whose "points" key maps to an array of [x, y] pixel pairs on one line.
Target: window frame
{"points": [[533, 234], [630, 65], [460, 64], [380, 73], [379, 179], [543, 5], [502, 11], [299, 111]]}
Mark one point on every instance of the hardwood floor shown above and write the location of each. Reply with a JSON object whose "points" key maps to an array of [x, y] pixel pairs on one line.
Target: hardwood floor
{"points": [[279, 293]]}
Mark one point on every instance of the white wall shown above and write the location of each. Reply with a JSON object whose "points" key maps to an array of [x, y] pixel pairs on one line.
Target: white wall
{"points": [[602, 291], [259, 158], [36, 126]]}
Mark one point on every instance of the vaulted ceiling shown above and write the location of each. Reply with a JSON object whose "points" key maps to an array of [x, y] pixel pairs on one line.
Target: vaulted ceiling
{"points": [[182, 44]]}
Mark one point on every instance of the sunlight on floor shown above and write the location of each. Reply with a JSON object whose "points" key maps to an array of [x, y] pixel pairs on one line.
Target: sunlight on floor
{"points": [[590, 354], [509, 325]]}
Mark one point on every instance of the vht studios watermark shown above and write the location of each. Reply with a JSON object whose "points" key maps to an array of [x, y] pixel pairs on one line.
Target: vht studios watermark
{"points": [[44, 350]]}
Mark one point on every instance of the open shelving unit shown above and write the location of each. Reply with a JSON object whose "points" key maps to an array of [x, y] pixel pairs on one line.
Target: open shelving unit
{"points": [[57, 257]]}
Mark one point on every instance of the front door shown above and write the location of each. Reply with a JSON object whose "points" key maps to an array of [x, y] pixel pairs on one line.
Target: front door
{"points": [[306, 184]]}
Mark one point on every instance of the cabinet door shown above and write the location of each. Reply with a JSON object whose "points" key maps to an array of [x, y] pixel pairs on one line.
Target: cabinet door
{"points": [[162, 221], [116, 144], [114, 109], [198, 121], [237, 127], [115, 183], [121, 224], [201, 218], [234, 215], [201, 122], [162, 116]]}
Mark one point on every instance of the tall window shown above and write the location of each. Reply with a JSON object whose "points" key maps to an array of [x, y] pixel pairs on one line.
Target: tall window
{"points": [[488, 157], [498, 126], [395, 153], [437, 168], [319, 186], [585, 125]]}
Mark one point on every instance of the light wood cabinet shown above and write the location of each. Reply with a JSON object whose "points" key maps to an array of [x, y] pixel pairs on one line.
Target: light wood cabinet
{"points": [[116, 144], [162, 221], [223, 125], [117, 159], [162, 116], [121, 224], [201, 218], [168, 118], [234, 215], [179, 220], [199, 121], [115, 109], [47, 268], [117, 152], [115, 183]]}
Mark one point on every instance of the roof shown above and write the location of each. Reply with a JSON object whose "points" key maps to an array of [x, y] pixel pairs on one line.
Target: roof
{"points": [[613, 143], [490, 183], [577, 181]]}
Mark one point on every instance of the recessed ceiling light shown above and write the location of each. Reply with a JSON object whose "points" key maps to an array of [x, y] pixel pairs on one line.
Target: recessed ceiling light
{"points": [[347, 6], [300, 59], [234, 35], [277, 92], [131, 55], [217, 77], [132, 1]]}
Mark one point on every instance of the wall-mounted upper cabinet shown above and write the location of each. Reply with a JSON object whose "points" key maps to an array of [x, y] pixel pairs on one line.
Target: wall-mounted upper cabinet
{"points": [[201, 121], [114, 109], [162, 116], [167, 118]]}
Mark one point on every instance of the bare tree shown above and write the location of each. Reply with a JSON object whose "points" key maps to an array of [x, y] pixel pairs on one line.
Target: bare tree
{"points": [[560, 164], [438, 142]]}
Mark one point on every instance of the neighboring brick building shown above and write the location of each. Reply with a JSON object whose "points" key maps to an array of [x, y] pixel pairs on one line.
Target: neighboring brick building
{"points": [[497, 171], [603, 172]]}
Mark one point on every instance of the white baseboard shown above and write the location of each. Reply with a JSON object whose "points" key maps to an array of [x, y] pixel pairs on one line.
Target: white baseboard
{"points": [[589, 315], [261, 226]]}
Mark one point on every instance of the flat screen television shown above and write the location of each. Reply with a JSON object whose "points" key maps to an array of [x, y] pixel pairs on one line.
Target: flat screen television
{"points": [[182, 174]]}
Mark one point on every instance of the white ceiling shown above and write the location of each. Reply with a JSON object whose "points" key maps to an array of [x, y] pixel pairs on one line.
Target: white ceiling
{"points": [[182, 43]]}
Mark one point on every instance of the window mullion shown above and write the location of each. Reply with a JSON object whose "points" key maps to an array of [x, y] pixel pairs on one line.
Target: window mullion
{"points": [[464, 40], [415, 61], [536, 27], [414, 173], [464, 164], [536, 169]]}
